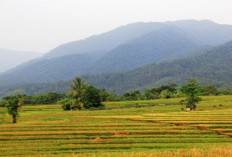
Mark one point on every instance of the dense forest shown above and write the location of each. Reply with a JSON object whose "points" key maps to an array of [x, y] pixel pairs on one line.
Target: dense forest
{"points": [[212, 67]]}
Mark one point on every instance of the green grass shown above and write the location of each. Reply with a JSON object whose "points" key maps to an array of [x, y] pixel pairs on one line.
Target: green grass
{"points": [[130, 126]]}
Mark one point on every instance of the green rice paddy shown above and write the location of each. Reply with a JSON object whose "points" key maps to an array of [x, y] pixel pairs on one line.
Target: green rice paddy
{"points": [[132, 126]]}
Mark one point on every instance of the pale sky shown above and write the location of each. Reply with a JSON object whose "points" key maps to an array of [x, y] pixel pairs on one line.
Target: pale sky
{"points": [[41, 25]]}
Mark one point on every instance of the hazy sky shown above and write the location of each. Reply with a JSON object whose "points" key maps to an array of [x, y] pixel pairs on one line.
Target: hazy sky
{"points": [[41, 25]]}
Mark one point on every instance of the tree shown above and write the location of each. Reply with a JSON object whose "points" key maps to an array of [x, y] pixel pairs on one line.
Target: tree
{"points": [[13, 104], [148, 95], [77, 87], [104, 95], [192, 90], [91, 98], [210, 90], [165, 94], [134, 95], [226, 91]]}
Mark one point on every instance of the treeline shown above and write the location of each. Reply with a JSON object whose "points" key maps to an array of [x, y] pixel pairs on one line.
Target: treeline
{"points": [[49, 98], [53, 98], [162, 92], [86, 97], [170, 91]]}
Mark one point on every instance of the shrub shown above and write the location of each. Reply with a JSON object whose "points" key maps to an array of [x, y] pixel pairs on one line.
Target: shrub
{"points": [[69, 104], [165, 94], [91, 98]]}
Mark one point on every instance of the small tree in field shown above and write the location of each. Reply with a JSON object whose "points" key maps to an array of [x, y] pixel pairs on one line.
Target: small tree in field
{"points": [[13, 104], [192, 90]]}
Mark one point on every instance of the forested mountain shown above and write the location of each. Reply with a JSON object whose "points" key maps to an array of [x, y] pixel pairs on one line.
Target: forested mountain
{"points": [[11, 58], [106, 41], [205, 32], [162, 44], [157, 46], [48, 70], [122, 49], [211, 67]]}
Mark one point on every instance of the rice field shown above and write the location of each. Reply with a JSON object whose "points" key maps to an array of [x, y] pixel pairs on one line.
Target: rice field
{"points": [[132, 127]]}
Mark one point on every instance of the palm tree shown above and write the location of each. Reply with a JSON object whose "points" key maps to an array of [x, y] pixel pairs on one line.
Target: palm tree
{"points": [[77, 87]]}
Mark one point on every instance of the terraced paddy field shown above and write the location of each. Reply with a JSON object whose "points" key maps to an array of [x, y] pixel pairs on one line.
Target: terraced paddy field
{"points": [[124, 128]]}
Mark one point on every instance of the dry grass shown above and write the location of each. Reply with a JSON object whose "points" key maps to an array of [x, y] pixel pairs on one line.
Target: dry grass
{"points": [[202, 128], [98, 139], [213, 152], [120, 134]]}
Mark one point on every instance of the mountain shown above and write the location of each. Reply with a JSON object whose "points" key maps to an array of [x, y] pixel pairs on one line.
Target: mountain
{"points": [[156, 46], [10, 59], [211, 67], [205, 32], [49, 69], [121, 49], [106, 41]]}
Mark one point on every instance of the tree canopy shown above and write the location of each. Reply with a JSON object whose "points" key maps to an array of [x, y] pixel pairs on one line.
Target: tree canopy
{"points": [[192, 90]]}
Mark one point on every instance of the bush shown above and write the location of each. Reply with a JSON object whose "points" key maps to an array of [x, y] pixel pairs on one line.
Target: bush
{"points": [[165, 94], [91, 98], [69, 104]]}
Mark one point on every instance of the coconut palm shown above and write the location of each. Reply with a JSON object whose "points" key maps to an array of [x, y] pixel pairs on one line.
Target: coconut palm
{"points": [[77, 87]]}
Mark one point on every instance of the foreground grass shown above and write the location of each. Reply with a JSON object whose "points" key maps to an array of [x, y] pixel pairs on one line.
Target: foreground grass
{"points": [[147, 128], [213, 152]]}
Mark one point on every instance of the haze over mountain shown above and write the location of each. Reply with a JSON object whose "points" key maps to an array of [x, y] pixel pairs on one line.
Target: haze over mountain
{"points": [[205, 32], [157, 46], [123, 49], [106, 41], [210, 67], [11, 58], [162, 44]]}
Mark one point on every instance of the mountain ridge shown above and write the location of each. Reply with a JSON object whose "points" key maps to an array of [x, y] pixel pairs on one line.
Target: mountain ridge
{"points": [[212, 67], [78, 62]]}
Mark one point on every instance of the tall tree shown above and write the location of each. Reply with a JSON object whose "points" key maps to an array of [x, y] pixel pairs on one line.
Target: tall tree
{"points": [[192, 90]]}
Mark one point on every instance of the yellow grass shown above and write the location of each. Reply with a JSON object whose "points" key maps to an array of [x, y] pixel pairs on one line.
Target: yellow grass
{"points": [[212, 152]]}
